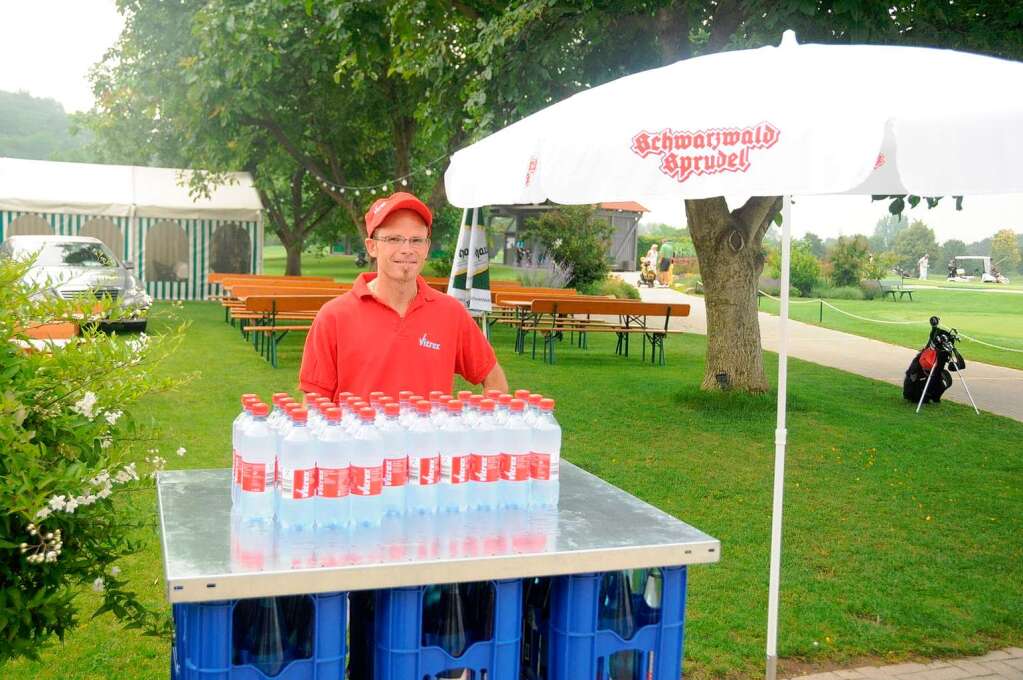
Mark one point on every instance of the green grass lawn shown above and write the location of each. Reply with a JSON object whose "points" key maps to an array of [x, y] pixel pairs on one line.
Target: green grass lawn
{"points": [[991, 317], [342, 267], [902, 532]]}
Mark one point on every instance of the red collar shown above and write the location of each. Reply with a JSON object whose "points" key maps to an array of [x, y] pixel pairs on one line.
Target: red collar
{"points": [[423, 291]]}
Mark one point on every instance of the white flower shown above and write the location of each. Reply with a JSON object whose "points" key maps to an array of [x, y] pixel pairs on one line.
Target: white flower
{"points": [[57, 503], [106, 441], [97, 585], [102, 478], [104, 492], [44, 513], [113, 416], [114, 571], [86, 405], [71, 505], [181, 451]]}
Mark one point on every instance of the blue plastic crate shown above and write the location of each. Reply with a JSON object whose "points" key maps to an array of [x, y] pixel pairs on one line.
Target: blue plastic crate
{"points": [[204, 647], [580, 649], [398, 632]]}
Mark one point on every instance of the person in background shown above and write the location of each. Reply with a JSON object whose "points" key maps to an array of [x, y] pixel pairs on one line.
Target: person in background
{"points": [[664, 266], [652, 256]]}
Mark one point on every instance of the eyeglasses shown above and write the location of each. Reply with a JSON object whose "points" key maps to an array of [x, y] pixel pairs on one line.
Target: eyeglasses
{"points": [[414, 241]]}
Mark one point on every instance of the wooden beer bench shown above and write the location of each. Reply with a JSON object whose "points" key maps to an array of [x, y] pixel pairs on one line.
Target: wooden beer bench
{"points": [[551, 318], [269, 310]]}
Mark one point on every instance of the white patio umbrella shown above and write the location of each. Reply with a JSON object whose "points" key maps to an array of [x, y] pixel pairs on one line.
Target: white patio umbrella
{"points": [[787, 120]]}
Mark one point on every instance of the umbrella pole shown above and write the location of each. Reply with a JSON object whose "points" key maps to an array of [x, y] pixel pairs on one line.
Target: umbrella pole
{"points": [[779, 443]]}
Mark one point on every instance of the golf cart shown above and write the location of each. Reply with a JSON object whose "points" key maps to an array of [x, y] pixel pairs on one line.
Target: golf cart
{"points": [[969, 267]]}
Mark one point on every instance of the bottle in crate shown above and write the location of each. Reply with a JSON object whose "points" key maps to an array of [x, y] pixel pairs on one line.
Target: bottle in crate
{"points": [[258, 638]]}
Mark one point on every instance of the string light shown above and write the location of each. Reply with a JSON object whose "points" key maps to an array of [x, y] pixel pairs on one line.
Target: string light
{"points": [[385, 187]]}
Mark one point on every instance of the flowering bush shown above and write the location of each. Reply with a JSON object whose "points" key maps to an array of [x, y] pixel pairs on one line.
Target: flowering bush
{"points": [[69, 449]]}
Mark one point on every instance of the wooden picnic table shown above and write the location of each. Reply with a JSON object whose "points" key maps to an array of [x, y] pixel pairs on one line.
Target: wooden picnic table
{"points": [[269, 310]]}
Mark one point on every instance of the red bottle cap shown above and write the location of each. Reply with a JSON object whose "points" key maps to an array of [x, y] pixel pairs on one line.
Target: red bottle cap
{"points": [[464, 395], [344, 395], [522, 394], [422, 406], [260, 409], [405, 395], [487, 404], [434, 394], [475, 400], [383, 401], [547, 404], [392, 409], [454, 406], [299, 415], [534, 399], [366, 413], [517, 405], [332, 414], [492, 394], [504, 399], [415, 397]]}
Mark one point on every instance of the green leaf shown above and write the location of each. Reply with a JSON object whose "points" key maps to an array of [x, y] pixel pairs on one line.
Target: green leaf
{"points": [[897, 206], [913, 200]]}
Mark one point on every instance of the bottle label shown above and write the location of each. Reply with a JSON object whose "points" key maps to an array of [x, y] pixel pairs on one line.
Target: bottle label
{"points": [[255, 477], [515, 467], [297, 484], [543, 468], [424, 471], [367, 481], [236, 468], [395, 471], [333, 482], [455, 469], [486, 468]]}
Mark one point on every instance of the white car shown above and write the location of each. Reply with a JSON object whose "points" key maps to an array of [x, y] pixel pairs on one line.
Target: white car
{"points": [[81, 266]]}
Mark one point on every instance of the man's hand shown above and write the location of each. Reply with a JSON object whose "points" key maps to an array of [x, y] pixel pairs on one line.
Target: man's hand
{"points": [[496, 380]]}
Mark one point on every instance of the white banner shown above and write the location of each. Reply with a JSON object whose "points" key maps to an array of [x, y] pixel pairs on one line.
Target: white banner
{"points": [[478, 271], [457, 285]]}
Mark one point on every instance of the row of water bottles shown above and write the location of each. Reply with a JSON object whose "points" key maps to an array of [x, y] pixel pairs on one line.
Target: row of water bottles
{"points": [[326, 464]]}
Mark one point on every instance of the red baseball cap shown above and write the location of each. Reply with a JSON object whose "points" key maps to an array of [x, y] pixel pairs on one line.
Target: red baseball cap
{"points": [[400, 200]]}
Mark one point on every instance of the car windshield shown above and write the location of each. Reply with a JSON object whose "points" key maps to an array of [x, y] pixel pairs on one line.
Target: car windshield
{"points": [[75, 254]]}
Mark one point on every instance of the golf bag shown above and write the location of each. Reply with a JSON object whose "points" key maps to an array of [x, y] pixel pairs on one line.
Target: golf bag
{"points": [[930, 372]]}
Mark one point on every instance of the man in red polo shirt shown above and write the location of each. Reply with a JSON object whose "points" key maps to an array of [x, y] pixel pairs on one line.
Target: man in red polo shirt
{"points": [[393, 332]]}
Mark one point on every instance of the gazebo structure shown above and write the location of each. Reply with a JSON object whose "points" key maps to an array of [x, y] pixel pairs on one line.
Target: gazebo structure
{"points": [[621, 252], [144, 215]]}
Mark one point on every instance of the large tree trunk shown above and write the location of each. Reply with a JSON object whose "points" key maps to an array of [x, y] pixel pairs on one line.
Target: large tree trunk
{"points": [[728, 247], [294, 262]]}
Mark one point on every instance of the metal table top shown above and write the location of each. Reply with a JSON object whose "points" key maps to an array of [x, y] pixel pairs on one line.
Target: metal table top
{"points": [[209, 554]]}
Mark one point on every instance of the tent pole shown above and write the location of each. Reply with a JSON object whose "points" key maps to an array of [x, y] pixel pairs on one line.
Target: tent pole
{"points": [[779, 443]]}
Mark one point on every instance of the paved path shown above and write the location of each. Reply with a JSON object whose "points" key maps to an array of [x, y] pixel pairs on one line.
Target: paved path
{"points": [[995, 388], [1003, 664]]}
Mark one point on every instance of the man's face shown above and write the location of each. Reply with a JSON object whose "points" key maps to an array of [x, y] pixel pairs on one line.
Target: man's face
{"points": [[399, 261]]}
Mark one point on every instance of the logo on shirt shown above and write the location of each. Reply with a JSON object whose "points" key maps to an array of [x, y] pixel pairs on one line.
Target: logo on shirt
{"points": [[427, 343]]}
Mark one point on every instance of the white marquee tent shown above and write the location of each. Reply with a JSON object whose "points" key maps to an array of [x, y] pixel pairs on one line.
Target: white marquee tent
{"points": [[145, 215]]}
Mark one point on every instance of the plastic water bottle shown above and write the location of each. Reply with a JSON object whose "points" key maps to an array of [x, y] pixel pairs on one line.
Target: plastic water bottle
{"points": [[334, 449], [296, 505], [454, 461], [486, 459], [533, 408], [395, 453], [424, 462], [503, 408], [366, 481], [516, 448], [522, 394], [408, 409], [257, 463], [236, 433], [546, 458], [349, 415]]}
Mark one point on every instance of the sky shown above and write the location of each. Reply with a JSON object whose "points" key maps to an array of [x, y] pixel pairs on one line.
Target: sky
{"points": [[49, 46]]}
